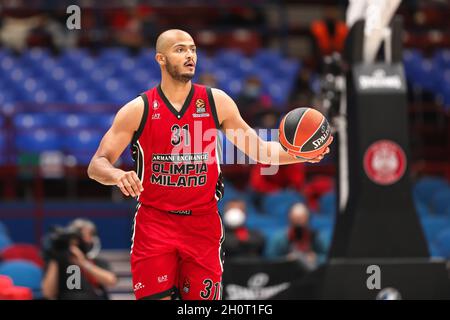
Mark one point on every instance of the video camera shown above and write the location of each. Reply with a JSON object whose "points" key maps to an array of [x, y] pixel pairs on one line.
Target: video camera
{"points": [[59, 240]]}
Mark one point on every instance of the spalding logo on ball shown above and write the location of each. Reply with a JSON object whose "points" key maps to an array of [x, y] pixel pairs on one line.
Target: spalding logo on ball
{"points": [[304, 133]]}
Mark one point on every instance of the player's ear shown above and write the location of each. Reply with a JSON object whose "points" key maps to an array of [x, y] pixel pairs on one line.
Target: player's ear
{"points": [[160, 59]]}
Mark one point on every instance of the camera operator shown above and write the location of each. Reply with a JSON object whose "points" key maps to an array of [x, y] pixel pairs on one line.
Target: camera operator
{"points": [[78, 245]]}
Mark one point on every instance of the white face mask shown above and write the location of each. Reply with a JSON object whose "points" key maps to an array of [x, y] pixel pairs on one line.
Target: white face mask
{"points": [[234, 218]]}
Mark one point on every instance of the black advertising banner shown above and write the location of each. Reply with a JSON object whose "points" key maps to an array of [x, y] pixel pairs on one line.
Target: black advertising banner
{"points": [[258, 279]]}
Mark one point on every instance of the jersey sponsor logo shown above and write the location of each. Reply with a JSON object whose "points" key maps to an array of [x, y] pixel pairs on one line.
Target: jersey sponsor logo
{"points": [[179, 170], [191, 157], [163, 278], [181, 212], [138, 286], [178, 181], [156, 116], [155, 105]]}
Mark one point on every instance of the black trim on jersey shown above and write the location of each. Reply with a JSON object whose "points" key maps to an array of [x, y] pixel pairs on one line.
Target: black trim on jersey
{"points": [[172, 109], [213, 106], [138, 133], [137, 156], [220, 187], [157, 296]]}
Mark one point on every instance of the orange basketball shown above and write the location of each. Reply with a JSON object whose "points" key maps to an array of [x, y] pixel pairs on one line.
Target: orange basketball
{"points": [[305, 133]]}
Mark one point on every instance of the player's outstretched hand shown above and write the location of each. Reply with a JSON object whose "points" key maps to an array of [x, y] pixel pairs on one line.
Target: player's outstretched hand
{"points": [[129, 183]]}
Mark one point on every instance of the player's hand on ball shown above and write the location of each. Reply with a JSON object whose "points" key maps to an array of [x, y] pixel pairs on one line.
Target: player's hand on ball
{"points": [[129, 183], [319, 157]]}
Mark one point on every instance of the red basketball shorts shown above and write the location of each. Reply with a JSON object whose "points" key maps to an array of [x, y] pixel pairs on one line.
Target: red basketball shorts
{"points": [[172, 252]]}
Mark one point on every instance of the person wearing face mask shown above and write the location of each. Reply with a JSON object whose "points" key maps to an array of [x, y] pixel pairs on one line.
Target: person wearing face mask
{"points": [[298, 241], [252, 99], [240, 241], [77, 245]]}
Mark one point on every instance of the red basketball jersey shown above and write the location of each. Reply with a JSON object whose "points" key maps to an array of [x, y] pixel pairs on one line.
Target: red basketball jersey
{"points": [[177, 153]]}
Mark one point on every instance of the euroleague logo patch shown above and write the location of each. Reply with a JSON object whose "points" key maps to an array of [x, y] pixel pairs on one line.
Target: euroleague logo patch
{"points": [[200, 109], [384, 162], [200, 104]]}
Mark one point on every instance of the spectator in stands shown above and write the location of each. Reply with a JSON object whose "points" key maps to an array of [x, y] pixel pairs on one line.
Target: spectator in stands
{"points": [[240, 241], [252, 99], [76, 245], [298, 241]]}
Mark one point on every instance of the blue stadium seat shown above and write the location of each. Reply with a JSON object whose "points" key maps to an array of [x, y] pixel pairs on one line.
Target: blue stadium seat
{"points": [[318, 222], [247, 67], [442, 58], [327, 203], [442, 243], [412, 59], [24, 274], [75, 121], [73, 55], [267, 58], [325, 236], [3, 158], [113, 54], [7, 63], [38, 141], [31, 121], [288, 71], [279, 92], [233, 87], [440, 202], [84, 140], [425, 188], [279, 203], [227, 58], [5, 241], [35, 54], [421, 208], [433, 225], [7, 97], [435, 252], [81, 158], [426, 76], [85, 96], [3, 229], [268, 225], [102, 122]]}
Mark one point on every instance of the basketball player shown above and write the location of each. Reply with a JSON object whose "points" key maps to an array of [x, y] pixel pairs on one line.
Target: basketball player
{"points": [[177, 231]]}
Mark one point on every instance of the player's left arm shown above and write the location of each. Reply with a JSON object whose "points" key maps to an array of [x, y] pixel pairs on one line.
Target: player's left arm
{"points": [[246, 139]]}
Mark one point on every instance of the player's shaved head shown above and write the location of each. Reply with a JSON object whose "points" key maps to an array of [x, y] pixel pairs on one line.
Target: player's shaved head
{"points": [[168, 38]]}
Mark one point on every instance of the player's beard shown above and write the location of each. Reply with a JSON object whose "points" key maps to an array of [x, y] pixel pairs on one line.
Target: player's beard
{"points": [[176, 74]]}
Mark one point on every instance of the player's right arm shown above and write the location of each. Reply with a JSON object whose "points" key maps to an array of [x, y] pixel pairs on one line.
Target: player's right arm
{"points": [[116, 139]]}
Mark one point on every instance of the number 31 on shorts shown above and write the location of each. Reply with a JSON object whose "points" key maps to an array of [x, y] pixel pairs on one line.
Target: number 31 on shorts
{"points": [[209, 288]]}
